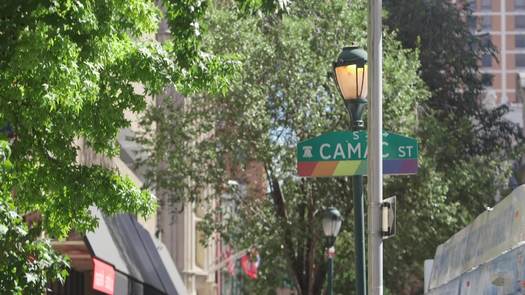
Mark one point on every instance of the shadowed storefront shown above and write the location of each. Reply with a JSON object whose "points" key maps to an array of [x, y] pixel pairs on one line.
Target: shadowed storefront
{"points": [[119, 257]]}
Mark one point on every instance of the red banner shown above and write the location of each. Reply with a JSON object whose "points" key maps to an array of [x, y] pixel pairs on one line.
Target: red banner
{"points": [[103, 277], [250, 265]]}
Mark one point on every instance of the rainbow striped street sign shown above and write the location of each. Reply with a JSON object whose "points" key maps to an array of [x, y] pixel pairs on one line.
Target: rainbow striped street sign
{"points": [[344, 153]]}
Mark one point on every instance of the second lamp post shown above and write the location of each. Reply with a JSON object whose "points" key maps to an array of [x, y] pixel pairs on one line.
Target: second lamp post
{"points": [[350, 72], [332, 220]]}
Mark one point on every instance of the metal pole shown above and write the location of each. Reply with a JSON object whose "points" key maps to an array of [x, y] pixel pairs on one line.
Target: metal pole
{"points": [[355, 109], [375, 149], [330, 274], [359, 228]]}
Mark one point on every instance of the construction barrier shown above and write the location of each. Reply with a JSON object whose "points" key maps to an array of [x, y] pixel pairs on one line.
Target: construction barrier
{"points": [[486, 257]]}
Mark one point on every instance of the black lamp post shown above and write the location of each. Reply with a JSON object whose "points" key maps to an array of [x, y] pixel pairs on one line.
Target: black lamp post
{"points": [[351, 77], [331, 225]]}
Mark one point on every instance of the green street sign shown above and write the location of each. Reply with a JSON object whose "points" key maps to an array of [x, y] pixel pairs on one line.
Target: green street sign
{"points": [[344, 153]]}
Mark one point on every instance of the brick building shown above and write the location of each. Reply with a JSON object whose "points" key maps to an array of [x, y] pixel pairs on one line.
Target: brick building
{"points": [[504, 22]]}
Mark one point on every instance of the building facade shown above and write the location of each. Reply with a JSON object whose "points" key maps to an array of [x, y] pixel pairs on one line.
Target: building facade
{"points": [[121, 256], [503, 21]]}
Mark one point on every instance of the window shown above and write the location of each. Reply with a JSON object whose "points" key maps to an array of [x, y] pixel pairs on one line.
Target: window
{"points": [[486, 61], [519, 21], [520, 60], [519, 4], [519, 40], [486, 4], [486, 23]]}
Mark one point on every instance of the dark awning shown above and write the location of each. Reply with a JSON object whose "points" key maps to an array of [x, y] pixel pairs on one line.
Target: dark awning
{"points": [[123, 242]]}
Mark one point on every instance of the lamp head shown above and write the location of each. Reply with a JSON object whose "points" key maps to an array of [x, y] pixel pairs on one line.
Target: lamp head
{"points": [[332, 220], [350, 72]]}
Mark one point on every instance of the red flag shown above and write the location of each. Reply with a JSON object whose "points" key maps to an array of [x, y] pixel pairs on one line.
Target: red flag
{"points": [[249, 266]]}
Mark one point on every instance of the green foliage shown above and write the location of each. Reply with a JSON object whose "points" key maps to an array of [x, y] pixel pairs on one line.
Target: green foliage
{"points": [[281, 94], [69, 70], [450, 69], [466, 148], [27, 263], [194, 69], [263, 6]]}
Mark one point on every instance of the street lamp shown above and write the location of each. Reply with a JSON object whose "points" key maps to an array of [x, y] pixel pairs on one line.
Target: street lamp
{"points": [[351, 78], [331, 225]]}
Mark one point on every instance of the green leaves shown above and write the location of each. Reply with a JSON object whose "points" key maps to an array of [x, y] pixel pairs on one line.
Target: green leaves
{"points": [[465, 147], [69, 71], [280, 94], [27, 263]]}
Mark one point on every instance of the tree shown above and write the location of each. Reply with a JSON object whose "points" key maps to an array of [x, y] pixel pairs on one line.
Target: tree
{"points": [[468, 146], [450, 69], [26, 263], [69, 71], [281, 95]]}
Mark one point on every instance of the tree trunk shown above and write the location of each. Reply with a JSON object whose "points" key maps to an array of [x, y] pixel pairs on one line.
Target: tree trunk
{"points": [[307, 271]]}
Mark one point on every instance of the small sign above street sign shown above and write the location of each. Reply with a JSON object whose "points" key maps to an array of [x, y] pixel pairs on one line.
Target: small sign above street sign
{"points": [[344, 153]]}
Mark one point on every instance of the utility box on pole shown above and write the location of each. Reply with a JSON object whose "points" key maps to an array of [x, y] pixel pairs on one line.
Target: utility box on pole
{"points": [[388, 217]]}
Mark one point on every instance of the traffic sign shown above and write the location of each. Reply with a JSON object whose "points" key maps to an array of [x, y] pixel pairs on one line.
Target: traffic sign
{"points": [[344, 153]]}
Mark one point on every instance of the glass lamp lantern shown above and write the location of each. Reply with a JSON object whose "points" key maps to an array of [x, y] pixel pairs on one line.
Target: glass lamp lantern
{"points": [[350, 72], [332, 220]]}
